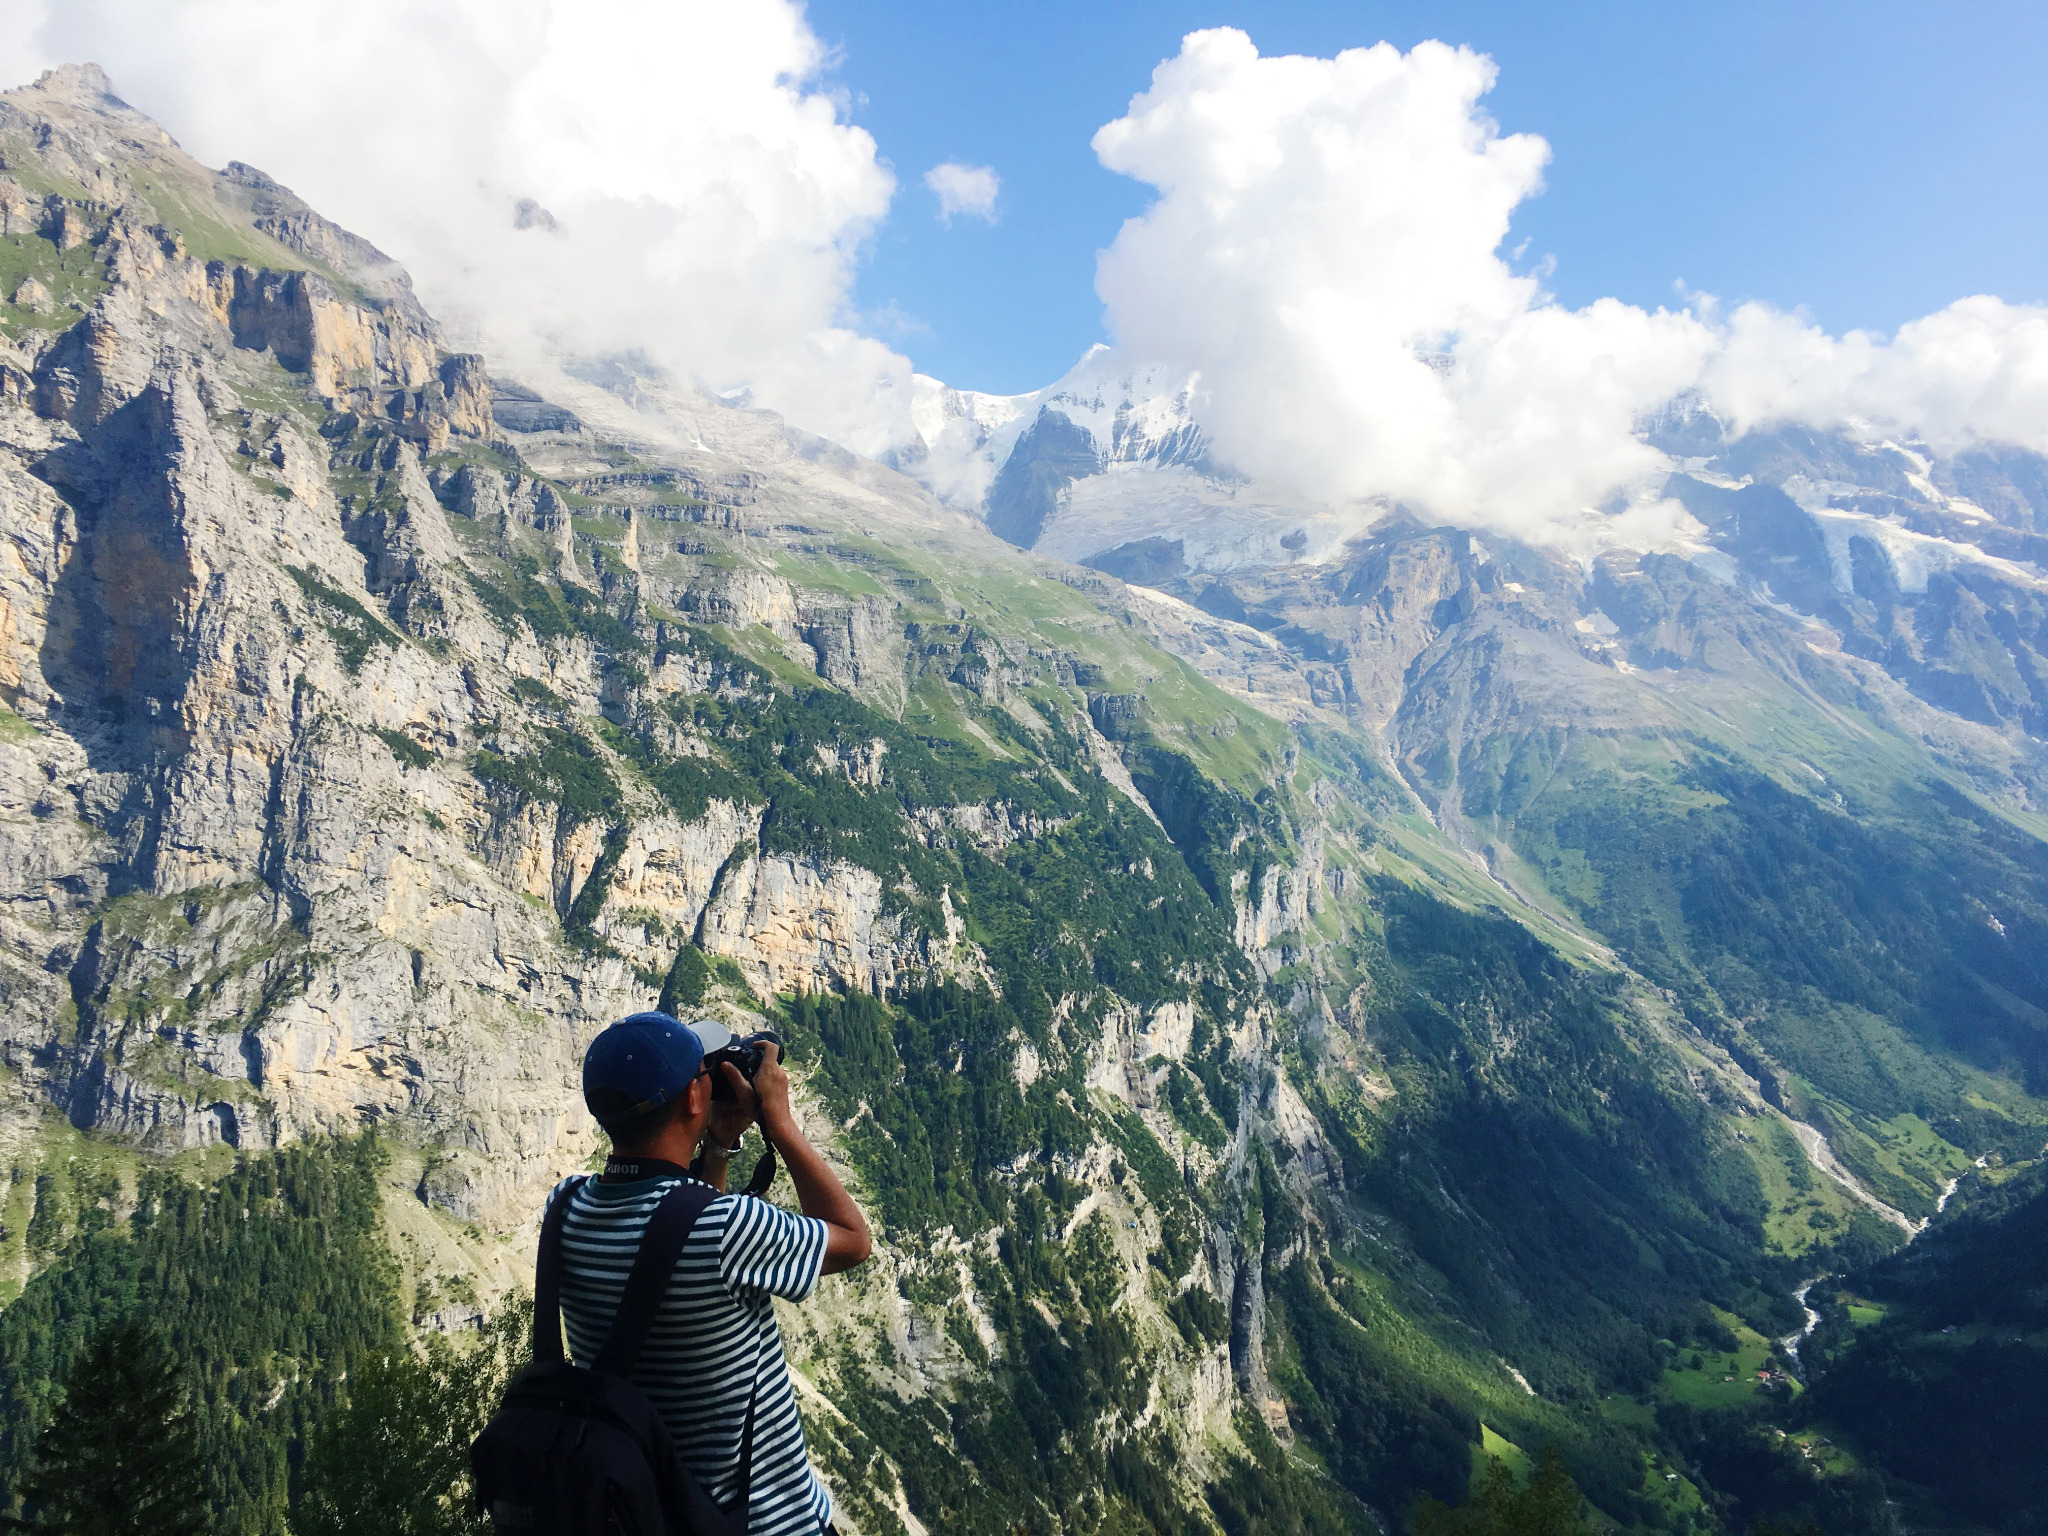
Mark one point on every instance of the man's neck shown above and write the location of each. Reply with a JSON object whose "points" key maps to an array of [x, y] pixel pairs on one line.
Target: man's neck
{"points": [[676, 1144], [625, 1167]]}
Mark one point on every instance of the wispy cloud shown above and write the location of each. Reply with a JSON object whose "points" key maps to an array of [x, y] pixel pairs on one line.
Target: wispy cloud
{"points": [[968, 190], [892, 319]]}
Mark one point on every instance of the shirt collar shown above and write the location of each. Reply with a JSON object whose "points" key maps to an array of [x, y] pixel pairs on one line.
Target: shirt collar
{"points": [[625, 1168]]}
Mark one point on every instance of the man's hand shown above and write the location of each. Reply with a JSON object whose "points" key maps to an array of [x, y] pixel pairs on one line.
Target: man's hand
{"points": [[770, 1093], [731, 1117]]}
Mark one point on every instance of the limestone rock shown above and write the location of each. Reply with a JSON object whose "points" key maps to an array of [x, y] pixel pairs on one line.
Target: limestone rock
{"points": [[797, 924], [64, 225], [18, 215], [466, 389]]}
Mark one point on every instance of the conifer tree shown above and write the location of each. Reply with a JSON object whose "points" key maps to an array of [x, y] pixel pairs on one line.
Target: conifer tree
{"points": [[687, 979], [1547, 1505], [120, 1457], [394, 1459]]}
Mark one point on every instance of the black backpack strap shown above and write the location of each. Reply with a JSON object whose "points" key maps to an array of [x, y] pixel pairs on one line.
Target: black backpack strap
{"points": [[668, 1228], [547, 1278], [743, 1495]]}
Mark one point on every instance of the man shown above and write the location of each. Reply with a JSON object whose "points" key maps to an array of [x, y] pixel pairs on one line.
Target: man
{"points": [[713, 1351]]}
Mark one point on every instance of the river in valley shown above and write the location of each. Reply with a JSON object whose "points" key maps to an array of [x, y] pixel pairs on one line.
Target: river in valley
{"points": [[1790, 1342]]}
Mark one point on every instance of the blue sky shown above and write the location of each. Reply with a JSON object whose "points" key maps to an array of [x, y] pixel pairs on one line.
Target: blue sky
{"points": [[1868, 162]]}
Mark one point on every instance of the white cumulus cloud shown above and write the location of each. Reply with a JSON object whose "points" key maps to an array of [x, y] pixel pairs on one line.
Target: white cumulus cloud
{"points": [[968, 189], [707, 201], [1325, 255], [1976, 371]]}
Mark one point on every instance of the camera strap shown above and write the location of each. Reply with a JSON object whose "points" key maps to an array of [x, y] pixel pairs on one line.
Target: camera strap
{"points": [[764, 1171], [757, 1182]]}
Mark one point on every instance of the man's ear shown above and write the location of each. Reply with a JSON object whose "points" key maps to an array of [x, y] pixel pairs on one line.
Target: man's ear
{"points": [[697, 1100]]}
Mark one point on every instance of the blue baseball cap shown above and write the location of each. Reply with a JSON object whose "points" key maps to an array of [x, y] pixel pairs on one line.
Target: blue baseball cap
{"points": [[643, 1062]]}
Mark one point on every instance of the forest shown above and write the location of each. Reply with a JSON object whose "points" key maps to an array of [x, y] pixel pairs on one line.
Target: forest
{"points": [[268, 1288]]}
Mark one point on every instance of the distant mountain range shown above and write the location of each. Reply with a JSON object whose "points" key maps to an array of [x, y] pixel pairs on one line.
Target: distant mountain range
{"points": [[1929, 567]]}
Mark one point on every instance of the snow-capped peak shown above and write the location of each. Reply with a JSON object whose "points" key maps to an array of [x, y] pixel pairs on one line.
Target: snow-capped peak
{"points": [[1131, 413]]}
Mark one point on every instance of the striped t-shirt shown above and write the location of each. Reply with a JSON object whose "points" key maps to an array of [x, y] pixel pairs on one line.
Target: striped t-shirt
{"points": [[714, 1340]]}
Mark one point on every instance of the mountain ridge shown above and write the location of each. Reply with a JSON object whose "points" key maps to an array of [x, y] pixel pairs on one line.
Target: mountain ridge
{"points": [[1283, 1020]]}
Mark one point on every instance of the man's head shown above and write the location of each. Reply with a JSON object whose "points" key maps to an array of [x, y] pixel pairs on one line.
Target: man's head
{"points": [[645, 1075]]}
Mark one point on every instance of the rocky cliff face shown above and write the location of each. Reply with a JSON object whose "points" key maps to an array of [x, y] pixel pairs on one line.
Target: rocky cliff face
{"points": [[365, 755], [1232, 1039], [237, 640]]}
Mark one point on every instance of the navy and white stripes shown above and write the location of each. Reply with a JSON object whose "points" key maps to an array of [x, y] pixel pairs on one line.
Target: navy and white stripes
{"points": [[714, 1338]]}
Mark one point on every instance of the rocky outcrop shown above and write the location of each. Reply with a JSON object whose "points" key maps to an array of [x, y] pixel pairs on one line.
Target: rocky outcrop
{"points": [[279, 213], [802, 925], [1285, 896], [743, 598], [466, 391], [990, 828], [296, 317], [859, 646]]}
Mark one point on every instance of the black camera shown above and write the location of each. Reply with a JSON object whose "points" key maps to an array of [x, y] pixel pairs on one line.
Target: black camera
{"points": [[746, 1054]]}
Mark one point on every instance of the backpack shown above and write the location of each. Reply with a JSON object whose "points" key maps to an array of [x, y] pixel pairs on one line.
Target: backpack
{"points": [[579, 1450]]}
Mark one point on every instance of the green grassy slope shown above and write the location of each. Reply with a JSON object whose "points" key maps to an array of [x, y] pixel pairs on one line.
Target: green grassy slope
{"points": [[1878, 960], [1930, 1366]]}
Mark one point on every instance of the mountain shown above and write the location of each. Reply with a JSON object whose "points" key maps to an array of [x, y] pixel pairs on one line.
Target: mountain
{"points": [[1364, 997], [1109, 468], [1738, 763]]}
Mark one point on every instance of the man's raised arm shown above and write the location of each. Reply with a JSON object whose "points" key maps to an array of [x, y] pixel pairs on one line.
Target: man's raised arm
{"points": [[819, 1193]]}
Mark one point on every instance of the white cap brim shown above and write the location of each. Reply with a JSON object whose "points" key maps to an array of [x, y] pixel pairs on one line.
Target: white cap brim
{"points": [[714, 1035]]}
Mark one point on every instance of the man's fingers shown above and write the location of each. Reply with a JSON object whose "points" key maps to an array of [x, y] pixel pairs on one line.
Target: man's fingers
{"points": [[733, 1075]]}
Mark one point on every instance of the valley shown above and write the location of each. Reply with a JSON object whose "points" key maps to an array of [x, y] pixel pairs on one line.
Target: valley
{"points": [[1311, 999]]}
